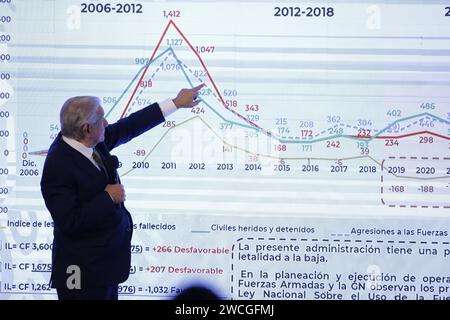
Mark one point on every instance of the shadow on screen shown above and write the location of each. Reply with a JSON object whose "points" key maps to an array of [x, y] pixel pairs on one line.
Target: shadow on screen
{"points": [[197, 293]]}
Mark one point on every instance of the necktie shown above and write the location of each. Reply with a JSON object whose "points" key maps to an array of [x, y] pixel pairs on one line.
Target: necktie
{"points": [[98, 159]]}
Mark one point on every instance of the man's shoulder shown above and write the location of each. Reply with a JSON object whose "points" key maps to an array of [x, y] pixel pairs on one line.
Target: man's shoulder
{"points": [[59, 151], [56, 162], [55, 147]]}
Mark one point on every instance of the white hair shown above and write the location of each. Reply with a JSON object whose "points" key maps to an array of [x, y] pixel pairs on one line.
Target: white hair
{"points": [[76, 112]]}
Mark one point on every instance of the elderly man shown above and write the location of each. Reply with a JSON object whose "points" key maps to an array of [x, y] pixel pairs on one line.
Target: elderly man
{"points": [[92, 228]]}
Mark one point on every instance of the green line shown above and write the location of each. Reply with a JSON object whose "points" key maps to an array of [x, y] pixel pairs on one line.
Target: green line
{"points": [[200, 231], [226, 120], [134, 79], [314, 140], [180, 63], [397, 121], [181, 66], [436, 117], [274, 157]]}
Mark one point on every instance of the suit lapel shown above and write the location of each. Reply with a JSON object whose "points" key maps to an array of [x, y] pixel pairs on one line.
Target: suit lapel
{"points": [[104, 153], [81, 161]]}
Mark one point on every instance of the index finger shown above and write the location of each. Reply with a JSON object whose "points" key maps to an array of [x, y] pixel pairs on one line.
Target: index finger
{"points": [[197, 88]]}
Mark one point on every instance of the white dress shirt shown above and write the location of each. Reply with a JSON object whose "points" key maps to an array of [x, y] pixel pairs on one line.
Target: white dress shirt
{"points": [[81, 148], [167, 107]]}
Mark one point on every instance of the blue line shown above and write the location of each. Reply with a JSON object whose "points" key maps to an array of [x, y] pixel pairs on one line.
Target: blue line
{"points": [[134, 79], [180, 63]]}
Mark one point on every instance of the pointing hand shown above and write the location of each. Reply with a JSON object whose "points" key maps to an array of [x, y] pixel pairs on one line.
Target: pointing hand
{"points": [[188, 98]]}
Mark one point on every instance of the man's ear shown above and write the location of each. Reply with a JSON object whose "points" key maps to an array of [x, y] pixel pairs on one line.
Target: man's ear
{"points": [[86, 129]]}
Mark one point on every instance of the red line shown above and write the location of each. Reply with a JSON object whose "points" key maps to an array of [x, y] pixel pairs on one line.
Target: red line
{"points": [[214, 83], [223, 101], [201, 61], [404, 136], [145, 70], [204, 67], [413, 134]]}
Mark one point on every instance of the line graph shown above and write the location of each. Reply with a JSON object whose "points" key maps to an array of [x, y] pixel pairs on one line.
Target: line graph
{"points": [[171, 23], [329, 125], [284, 139], [220, 138], [390, 135], [280, 138], [227, 122], [377, 133]]}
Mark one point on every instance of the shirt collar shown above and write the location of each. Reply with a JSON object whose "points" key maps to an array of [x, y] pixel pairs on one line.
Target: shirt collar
{"points": [[81, 148]]}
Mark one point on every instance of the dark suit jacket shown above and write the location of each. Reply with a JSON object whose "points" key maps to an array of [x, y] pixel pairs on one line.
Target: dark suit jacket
{"points": [[90, 231]]}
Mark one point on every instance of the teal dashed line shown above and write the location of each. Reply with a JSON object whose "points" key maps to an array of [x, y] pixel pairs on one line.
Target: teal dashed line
{"points": [[309, 139], [408, 118], [182, 65], [132, 81], [151, 78], [281, 140]]}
